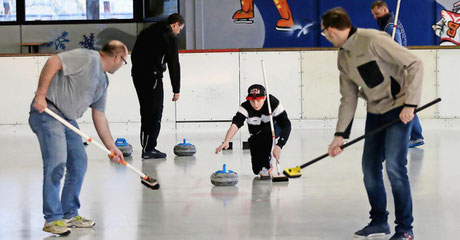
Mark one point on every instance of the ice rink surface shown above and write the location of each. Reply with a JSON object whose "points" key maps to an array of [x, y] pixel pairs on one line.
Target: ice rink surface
{"points": [[327, 202]]}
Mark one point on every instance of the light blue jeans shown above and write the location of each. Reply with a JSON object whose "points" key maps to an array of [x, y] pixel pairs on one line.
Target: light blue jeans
{"points": [[62, 151]]}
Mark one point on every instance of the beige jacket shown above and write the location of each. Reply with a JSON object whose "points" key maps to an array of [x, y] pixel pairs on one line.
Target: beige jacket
{"points": [[379, 70]]}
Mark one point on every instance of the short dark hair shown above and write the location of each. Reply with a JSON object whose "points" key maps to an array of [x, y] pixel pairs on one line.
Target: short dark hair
{"points": [[175, 17], [114, 48], [379, 4], [336, 18]]}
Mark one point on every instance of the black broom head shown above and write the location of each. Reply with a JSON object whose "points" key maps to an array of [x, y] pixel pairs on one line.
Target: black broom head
{"points": [[280, 179], [151, 183]]}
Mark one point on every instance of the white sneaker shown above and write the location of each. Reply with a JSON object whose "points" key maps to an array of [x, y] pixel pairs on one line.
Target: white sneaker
{"points": [[264, 174]]}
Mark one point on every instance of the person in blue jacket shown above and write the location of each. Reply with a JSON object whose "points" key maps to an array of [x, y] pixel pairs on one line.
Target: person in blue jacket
{"points": [[385, 20]]}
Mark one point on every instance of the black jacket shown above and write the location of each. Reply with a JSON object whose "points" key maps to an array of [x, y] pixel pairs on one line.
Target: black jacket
{"points": [[155, 46]]}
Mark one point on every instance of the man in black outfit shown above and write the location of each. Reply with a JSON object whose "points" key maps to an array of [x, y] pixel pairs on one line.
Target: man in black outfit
{"points": [[155, 47]]}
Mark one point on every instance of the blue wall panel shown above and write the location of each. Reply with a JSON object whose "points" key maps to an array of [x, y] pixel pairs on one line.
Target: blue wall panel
{"points": [[306, 19], [416, 16], [221, 31]]}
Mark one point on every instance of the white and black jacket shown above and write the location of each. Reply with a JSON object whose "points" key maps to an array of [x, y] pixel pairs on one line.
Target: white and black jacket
{"points": [[259, 121]]}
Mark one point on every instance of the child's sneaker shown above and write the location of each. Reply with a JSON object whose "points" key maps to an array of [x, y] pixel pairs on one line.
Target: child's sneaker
{"points": [[58, 227], [80, 222], [264, 174], [403, 236], [373, 231]]}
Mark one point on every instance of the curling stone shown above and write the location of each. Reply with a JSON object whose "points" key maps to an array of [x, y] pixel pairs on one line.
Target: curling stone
{"points": [[124, 147], [184, 149], [224, 177]]}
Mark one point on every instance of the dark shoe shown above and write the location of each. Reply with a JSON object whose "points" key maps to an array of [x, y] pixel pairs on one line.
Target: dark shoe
{"points": [[153, 154], [415, 143], [373, 231], [403, 236]]}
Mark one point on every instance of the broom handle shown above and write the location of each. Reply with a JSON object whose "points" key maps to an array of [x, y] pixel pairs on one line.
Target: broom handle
{"points": [[371, 133], [268, 100], [272, 127], [89, 139], [395, 24]]}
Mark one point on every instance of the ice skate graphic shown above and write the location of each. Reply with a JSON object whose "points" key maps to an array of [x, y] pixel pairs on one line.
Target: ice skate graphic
{"points": [[448, 26], [246, 14]]}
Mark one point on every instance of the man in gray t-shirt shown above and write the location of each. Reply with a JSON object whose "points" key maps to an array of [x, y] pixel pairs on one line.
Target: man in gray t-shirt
{"points": [[69, 83], [81, 83]]}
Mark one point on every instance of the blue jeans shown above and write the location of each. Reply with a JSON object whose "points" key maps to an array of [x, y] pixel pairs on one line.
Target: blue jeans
{"points": [[390, 145], [416, 132], [61, 149]]}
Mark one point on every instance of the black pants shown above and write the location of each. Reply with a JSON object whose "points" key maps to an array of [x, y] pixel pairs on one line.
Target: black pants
{"points": [[260, 146], [150, 94]]}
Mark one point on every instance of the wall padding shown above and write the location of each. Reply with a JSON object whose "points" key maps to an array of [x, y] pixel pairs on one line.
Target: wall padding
{"points": [[283, 76]]}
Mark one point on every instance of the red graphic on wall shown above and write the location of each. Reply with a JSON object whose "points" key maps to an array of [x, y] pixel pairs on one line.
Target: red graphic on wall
{"points": [[246, 14], [448, 26]]}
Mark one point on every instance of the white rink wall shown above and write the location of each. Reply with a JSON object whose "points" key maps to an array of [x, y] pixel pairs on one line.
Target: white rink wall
{"points": [[214, 84]]}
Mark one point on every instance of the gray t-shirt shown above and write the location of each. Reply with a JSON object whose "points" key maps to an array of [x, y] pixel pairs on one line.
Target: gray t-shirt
{"points": [[81, 83]]}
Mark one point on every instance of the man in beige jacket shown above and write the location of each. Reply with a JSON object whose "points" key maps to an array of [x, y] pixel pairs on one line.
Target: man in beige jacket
{"points": [[389, 78]]}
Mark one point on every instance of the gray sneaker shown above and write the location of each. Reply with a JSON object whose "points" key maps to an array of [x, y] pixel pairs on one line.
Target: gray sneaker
{"points": [[80, 222], [58, 227]]}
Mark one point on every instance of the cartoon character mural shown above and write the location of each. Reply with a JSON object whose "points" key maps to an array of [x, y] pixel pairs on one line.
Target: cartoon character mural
{"points": [[447, 28], [246, 14]]}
